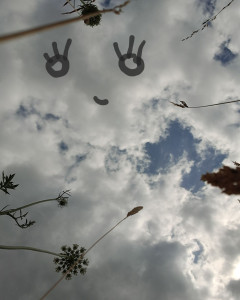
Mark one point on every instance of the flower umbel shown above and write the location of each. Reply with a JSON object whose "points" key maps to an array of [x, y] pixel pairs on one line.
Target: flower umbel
{"points": [[63, 201], [85, 9], [69, 256], [93, 21]]}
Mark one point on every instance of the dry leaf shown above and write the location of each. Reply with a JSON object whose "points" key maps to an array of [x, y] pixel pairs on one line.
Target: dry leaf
{"points": [[228, 179], [236, 164]]}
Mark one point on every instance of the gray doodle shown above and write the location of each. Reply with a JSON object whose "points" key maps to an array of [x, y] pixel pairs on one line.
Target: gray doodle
{"points": [[63, 59], [99, 101], [136, 58]]}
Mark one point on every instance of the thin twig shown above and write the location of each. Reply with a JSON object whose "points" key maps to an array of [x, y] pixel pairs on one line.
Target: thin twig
{"points": [[60, 197], [29, 248], [18, 34], [183, 106], [206, 23], [74, 7], [25, 206]]}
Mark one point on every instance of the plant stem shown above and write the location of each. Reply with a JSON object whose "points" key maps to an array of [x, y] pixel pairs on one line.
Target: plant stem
{"points": [[29, 248], [45, 295], [130, 213], [205, 24], [18, 34], [103, 236], [21, 207], [212, 104], [73, 7]]}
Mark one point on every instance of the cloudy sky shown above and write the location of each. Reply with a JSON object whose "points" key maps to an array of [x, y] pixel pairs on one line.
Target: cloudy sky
{"points": [[138, 150]]}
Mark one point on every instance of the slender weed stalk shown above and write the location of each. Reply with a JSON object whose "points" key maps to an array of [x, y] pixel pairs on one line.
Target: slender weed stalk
{"points": [[206, 23], [7, 183], [184, 104], [130, 213], [117, 10], [29, 248]]}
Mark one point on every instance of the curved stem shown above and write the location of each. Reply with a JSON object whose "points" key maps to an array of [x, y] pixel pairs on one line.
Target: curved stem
{"points": [[29, 248], [103, 236], [21, 207], [18, 34]]}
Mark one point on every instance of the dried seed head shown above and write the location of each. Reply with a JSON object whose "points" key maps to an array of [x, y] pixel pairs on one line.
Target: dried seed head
{"points": [[134, 211]]}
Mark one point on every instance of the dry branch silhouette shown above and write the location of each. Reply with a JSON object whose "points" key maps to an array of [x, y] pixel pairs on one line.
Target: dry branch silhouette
{"points": [[184, 104], [6, 184], [206, 23], [117, 10]]}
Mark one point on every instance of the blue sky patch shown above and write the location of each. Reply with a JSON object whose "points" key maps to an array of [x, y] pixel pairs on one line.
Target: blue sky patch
{"points": [[24, 112], [165, 152], [51, 117], [225, 55], [208, 6], [198, 252], [63, 146], [112, 159], [79, 158], [106, 3]]}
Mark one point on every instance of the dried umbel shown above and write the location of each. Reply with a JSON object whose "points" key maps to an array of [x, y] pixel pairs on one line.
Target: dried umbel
{"points": [[69, 258], [93, 21]]}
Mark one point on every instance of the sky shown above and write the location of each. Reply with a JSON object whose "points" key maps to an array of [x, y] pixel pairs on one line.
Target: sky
{"points": [[137, 150]]}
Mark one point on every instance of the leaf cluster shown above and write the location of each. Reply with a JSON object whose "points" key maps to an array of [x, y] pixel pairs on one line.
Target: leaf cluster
{"points": [[6, 183]]}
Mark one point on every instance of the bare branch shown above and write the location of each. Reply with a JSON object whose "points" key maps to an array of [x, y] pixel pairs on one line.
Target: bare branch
{"points": [[23, 226], [206, 23], [184, 105], [8, 37]]}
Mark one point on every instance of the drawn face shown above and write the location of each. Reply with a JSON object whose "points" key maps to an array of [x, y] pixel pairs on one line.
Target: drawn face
{"points": [[63, 59]]}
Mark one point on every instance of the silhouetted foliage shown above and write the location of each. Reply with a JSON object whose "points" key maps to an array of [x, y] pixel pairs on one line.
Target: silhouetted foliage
{"points": [[228, 179], [6, 183], [207, 22]]}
